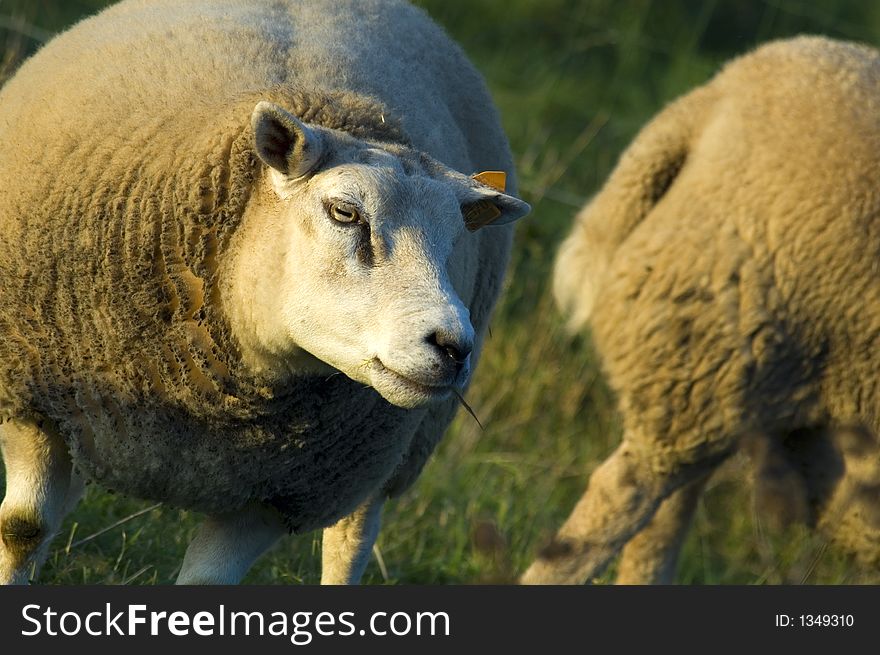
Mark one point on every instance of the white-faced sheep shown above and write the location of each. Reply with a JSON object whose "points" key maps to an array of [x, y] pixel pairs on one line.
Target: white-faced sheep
{"points": [[729, 272], [209, 210]]}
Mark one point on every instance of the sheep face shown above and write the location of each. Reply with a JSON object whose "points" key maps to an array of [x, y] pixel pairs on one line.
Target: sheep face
{"points": [[373, 236]]}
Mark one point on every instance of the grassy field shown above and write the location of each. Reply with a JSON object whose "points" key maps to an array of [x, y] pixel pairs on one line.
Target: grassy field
{"points": [[574, 80]]}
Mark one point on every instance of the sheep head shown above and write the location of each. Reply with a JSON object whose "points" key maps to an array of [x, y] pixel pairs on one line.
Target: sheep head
{"points": [[364, 257]]}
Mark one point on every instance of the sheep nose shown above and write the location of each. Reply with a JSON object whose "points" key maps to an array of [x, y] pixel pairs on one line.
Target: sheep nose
{"points": [[452, 346]]}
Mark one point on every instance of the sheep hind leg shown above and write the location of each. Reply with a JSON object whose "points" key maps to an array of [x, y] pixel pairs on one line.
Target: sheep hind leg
{"points": [[622, 496], [225, 546], [347, 544], [41, 488], [651, 557]]}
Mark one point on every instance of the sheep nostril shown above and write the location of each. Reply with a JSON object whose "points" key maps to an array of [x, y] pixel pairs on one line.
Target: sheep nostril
{"points": [[455, 354], [454, 349]]}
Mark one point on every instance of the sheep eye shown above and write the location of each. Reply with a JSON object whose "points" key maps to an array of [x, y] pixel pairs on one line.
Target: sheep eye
{"points": [[342, 212]]}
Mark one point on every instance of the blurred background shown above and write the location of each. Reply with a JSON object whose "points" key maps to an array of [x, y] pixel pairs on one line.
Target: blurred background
{"points": [[574, 80]]}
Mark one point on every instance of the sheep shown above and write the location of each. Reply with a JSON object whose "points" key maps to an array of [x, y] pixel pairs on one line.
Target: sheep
{"points": [[241, 268], [728, 271]]}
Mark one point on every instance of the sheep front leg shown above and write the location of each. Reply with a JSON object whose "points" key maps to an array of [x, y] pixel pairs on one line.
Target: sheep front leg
{"points": [[41, 488], [651, 557], [225, 546], [622, 496], [347, 544]]}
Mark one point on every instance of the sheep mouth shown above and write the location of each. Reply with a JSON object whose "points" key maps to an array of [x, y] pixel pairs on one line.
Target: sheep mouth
{"points": [[402, 390]]}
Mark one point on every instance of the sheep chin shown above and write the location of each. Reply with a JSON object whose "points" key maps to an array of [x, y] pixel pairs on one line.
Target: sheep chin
{"points": [[403, 391]]}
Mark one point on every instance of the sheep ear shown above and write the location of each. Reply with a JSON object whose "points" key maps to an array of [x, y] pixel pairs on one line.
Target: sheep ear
{"points": [[284, 142], [485, 203]]}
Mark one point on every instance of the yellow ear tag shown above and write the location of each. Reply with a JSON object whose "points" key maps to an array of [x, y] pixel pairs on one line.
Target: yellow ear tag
{"points": [[479, 214], [482, 212], [495, 179]]}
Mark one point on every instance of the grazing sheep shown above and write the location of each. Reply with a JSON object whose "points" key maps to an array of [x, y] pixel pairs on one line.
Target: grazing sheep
{"points": [[729, 271], [209, 210]]}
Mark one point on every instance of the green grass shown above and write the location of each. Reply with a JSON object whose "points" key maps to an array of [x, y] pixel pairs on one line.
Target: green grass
{"points": [[574, 80]]}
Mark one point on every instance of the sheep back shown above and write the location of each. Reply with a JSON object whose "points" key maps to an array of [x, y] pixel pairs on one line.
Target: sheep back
{"points": [[743, 296]]}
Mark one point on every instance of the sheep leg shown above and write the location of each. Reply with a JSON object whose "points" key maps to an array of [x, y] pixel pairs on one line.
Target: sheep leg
{"points": [[651, 556], [622, 496], [348, 544], [41, 488], [225, 546]]}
